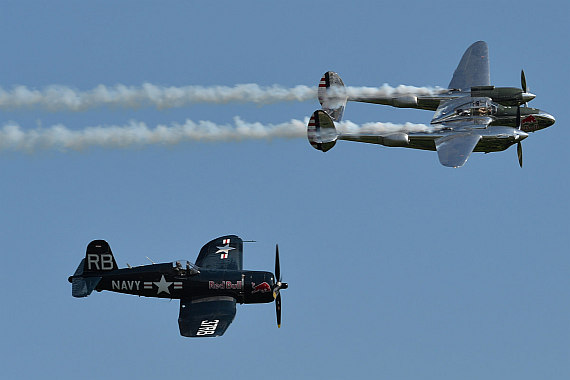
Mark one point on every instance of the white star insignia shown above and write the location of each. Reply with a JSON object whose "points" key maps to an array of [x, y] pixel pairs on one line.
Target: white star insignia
{"points": [[163, 285], [225, 249]]}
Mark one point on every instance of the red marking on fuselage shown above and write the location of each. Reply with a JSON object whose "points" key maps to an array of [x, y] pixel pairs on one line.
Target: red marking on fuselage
{"points": [[261, 288], [529, 119], [529, 124]]}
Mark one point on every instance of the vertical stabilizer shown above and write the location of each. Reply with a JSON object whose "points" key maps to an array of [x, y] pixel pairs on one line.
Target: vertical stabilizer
{"points": [[321, 131], [332, 95], [99, 258]]}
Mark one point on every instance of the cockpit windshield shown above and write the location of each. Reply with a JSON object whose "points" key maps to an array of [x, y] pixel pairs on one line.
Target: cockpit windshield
{"points": [[184, 268]]}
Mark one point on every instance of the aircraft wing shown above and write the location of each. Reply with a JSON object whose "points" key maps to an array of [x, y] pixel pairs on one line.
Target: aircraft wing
{"points": [[454, 149], [473, 69], [206, 316], [223, 253]]}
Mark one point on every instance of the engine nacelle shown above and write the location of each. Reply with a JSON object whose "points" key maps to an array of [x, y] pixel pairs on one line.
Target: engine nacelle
{"points": [[398, 139], [506, 96], [406, 101]]}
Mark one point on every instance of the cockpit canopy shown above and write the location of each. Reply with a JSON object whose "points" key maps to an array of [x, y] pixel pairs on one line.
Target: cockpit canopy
{"points": [[184, 268], [463, 108]]}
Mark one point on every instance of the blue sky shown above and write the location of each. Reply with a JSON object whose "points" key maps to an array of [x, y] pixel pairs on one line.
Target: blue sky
{"points": [[398, 267]]}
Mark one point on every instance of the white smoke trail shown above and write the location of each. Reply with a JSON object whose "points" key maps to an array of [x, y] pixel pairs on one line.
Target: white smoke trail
{"points": [[349, 127], [63, 98], [15, 138], [58, 98], [386, 91]]}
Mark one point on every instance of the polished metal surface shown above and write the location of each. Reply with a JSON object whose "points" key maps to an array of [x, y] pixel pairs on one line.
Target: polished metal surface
{"points": [[470, 116]]}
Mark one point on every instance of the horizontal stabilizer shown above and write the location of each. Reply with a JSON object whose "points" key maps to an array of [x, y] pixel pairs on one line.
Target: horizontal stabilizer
{"points": [[81, 286], [332, 95]]}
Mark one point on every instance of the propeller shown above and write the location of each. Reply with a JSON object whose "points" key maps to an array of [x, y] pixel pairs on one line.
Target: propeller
{"points": [[278, 309], [518, 121], [519, 153], [278, 286], [523, 82], [526, 96]]}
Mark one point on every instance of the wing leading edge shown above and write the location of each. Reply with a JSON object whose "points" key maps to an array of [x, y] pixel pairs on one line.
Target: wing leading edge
{"points": [[206, 317]]}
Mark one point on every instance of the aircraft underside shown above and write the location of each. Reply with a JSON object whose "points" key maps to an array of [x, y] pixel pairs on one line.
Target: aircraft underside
{"points": [[426, 141]]}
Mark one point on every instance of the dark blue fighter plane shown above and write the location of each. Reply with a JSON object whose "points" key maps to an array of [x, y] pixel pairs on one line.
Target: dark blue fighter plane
{"points": [[208, 290]]}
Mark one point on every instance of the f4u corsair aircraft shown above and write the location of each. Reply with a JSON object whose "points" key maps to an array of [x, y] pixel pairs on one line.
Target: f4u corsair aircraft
{"points": [[208, 290], [471, 115]]}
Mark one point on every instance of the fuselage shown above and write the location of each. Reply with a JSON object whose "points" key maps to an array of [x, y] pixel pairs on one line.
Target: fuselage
{"points": [[504, 100], [495, 123], [169, 281]]}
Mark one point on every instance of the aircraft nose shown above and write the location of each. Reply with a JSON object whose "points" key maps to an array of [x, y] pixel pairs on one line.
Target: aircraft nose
{"points": [[527, 97], [549, 119]]}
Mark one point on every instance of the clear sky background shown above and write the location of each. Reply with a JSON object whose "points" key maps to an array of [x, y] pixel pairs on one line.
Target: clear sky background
{"points": [[399, 268]]}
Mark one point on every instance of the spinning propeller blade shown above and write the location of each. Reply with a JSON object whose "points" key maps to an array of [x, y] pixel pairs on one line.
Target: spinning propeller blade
{"points": [[278, 286], [526, 96], [278, 309], [523, 82], [518, 121], [277, 266]]}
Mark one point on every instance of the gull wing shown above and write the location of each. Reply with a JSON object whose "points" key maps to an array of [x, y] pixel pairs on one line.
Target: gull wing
{"points": [[473, 69], [454, 149], [206, 316], [223, 253]]}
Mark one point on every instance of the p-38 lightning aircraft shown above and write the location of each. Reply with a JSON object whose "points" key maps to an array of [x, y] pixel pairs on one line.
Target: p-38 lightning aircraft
{"points": [[208, 290], [471, 115]]}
